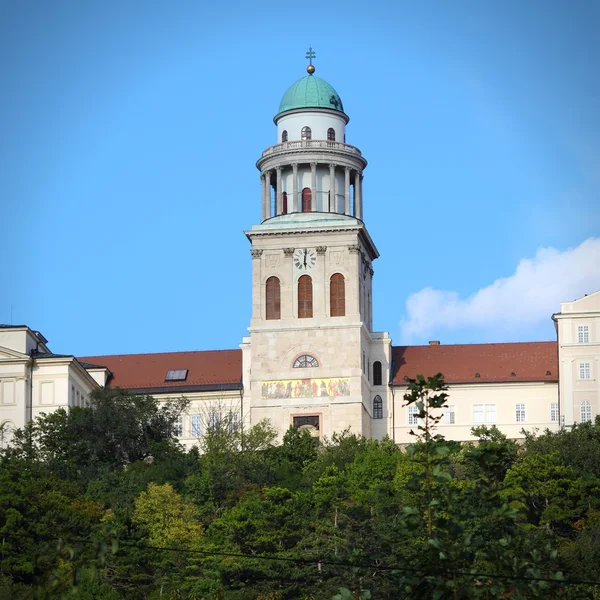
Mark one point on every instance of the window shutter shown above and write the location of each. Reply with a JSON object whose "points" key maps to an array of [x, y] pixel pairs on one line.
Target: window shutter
{"points": [[273, 299], [337, 295], [306, 200], [305, 299]]}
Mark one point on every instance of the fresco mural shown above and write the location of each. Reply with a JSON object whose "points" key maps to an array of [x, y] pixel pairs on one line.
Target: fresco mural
{"points": [[305, 388]]}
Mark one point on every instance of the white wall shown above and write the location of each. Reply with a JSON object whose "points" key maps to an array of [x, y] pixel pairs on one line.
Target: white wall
{"points": [[319, 122]]}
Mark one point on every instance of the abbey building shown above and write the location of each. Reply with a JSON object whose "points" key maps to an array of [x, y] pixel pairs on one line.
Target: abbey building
{"points": [[311, 358]]}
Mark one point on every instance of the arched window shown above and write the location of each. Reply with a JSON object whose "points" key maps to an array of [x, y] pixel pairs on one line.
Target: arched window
{"points": [[586, 411], [304, 361], [306, 133], [337, 295], [305, 297], [377, 377], [284, 203], [331, 134], [306, 200], [273, 296], [377, 407], [284, 136]]}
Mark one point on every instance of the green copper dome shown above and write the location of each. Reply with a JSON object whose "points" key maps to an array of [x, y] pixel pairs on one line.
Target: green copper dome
{"points": [[311, 92]]}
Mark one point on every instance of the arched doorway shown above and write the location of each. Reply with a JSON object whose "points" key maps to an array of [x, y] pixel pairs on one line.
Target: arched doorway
{"points": [[306, 200]]}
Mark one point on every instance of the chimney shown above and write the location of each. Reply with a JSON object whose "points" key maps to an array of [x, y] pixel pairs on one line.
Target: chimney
{"points": [[434, 342]]}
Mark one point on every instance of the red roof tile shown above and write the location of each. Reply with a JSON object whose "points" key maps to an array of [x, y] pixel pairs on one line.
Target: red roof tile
{"points": [[529, 361], [147, 371]]}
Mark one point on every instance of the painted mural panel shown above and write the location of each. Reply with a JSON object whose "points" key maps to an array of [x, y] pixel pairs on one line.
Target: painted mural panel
{"points": [[306, 388]]}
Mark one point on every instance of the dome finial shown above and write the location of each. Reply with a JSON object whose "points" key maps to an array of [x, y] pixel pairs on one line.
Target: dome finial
{"points": [[310, 55]]}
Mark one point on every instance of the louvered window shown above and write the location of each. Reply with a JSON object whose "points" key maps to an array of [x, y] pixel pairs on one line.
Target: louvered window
{"points": [[306, 200], [337, 295], [377, 373], [305, 297], [273, 295]]}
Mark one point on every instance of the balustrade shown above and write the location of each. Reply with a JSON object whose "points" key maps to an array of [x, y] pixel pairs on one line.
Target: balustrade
{"points": [[311, 144]]}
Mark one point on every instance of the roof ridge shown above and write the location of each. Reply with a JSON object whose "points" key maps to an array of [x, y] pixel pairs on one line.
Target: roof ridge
{"points": [[159, 353]]}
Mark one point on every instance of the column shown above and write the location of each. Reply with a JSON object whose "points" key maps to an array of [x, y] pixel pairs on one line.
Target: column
{"points": [[278, 196], [313, 184], [264, 197], [331, 187], [347, 190], [268, 192], [294, 206], [358, 195]]}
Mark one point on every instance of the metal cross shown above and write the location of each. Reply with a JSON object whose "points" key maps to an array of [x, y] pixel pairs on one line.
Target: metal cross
{"points": [[310, 55]]}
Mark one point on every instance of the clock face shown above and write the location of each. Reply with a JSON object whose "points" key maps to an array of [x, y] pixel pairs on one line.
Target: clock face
{"points": [[304, 259]]}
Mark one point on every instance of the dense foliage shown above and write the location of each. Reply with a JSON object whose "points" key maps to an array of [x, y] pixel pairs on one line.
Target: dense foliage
{"points": [[103, 504]]}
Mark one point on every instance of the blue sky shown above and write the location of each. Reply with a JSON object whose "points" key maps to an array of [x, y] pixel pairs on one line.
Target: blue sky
{"points": [[130, 132]]}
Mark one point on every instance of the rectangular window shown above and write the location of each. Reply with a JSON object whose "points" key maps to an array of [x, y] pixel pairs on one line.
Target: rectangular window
{"points": [[176, 375], [196, 426], [554, 412], [178, 426], [583, 334], [72, 395], [232, 424], [520, 413], [585, 370], [450, 415], [413, 412], [484, 413]]}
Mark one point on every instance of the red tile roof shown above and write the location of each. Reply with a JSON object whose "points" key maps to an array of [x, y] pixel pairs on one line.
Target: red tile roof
{"points": [[206, 369], [529, 361]]}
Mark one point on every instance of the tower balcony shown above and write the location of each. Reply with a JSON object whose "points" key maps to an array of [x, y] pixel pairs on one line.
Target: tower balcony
{"points": [[311, 145]]}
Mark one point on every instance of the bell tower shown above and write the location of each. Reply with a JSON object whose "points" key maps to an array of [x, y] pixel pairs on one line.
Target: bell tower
{"points": [[309, 359]]}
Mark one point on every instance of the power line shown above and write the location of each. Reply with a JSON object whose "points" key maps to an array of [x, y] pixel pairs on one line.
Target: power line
{"points": [[313, 561]]}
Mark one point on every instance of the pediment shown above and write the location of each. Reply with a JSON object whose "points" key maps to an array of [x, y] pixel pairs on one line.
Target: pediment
{"points": [[587, 304], [7, 354]]}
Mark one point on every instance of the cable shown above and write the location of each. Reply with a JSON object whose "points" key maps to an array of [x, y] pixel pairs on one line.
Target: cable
{"points": [[313, 561]]}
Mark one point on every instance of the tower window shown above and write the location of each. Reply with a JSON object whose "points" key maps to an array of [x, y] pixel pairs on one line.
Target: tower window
{"points": [[377, 374], [306, 133], [331, 134], [306, 200], [284, 135], [377, 407], [273, 296], [284, 206], [304, 361], [305, 297], [337, 295]]}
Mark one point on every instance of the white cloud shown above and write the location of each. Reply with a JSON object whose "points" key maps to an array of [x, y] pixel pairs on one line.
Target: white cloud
{"points": [[523, 300]]}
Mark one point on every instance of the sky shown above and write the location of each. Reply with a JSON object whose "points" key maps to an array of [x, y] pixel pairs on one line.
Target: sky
{"points": [[129, 133]]}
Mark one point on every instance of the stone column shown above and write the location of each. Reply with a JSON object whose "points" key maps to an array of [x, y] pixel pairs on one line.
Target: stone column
{"points": [[358, 213], [313, 184], [278, 196], [288, 291], [347, 190], [264, 197], [320, 299], [294, 206], [257, 292], [332, 187], [268, 192]]}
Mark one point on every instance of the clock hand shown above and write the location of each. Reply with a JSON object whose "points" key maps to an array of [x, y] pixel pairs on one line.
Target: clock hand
{"points": [[305, 253]]}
